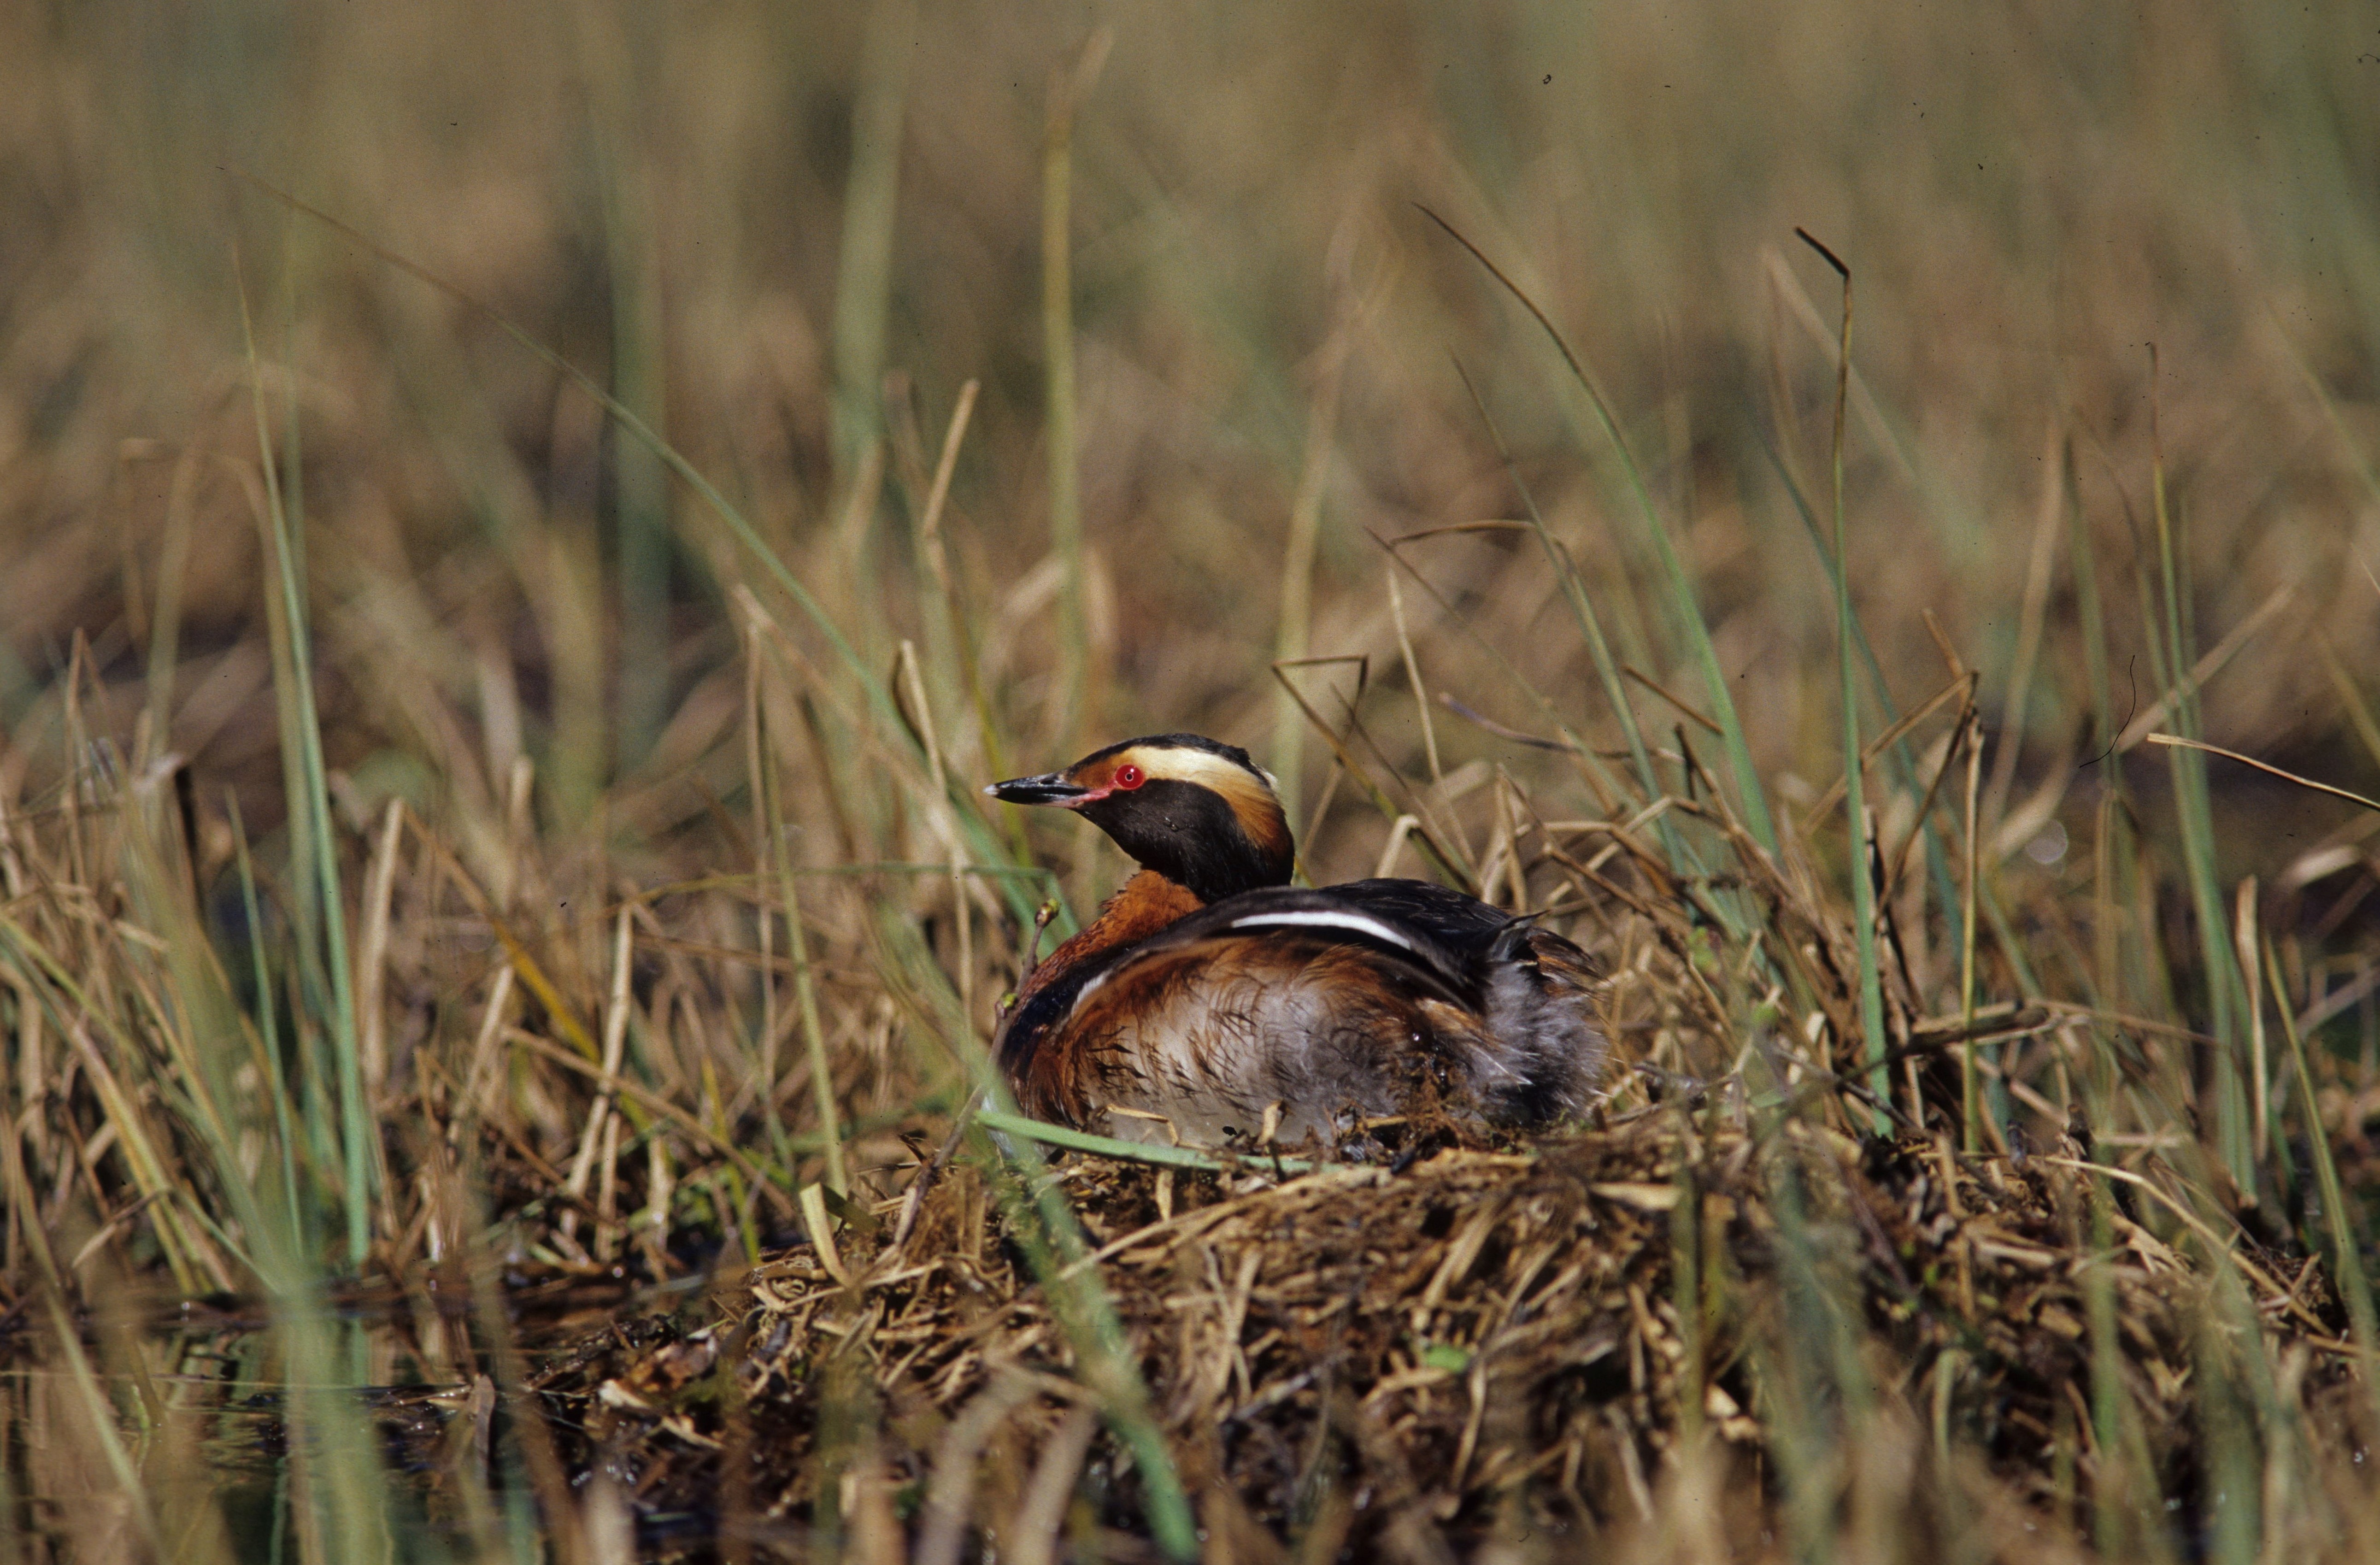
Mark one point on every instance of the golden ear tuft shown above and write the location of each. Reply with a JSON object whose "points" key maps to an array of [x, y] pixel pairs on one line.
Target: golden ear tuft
{"points": [[1202, 767]]}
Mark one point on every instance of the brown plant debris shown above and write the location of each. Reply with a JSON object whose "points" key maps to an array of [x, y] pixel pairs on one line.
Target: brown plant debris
{"points": [[1373, 1361]]}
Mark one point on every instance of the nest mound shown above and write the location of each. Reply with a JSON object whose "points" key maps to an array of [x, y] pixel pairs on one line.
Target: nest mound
{"points": [[1412, 1362]]}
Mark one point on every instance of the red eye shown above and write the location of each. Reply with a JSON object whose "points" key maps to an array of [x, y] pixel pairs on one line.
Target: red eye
{"points": [[1129, 776]]}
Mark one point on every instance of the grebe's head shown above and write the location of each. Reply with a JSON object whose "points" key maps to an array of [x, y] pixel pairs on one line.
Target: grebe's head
{"points": [[1199, 813]]}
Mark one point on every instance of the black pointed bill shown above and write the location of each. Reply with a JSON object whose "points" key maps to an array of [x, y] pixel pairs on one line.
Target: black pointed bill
{"points": [[1049, 788]]}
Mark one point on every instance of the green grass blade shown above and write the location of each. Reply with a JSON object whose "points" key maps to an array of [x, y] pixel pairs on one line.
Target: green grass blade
{"points": [[2195, 812], [1067, 88], [209, 1048], [1948, 887], [1590, 626], [863, 284], [1685, 609], [2345, 1259], [1294, 625], [1047, 1134], [267, 1020], [640, 503], [984, 843], [310, 798], [1052, 1237], [1864, 913]]}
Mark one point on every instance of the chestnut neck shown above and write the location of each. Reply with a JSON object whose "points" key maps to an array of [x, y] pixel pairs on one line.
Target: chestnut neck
{"points": [[1143, 906]]}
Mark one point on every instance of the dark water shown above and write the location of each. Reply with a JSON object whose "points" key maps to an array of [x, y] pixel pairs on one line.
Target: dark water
{"points": [[237, 1458]]}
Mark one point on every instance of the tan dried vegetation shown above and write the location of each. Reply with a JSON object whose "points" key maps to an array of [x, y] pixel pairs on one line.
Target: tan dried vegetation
{"points": [[522, 531]]}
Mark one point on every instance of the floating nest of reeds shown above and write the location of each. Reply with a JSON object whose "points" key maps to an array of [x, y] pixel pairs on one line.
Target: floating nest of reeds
{"points": [[1454, 1346]]}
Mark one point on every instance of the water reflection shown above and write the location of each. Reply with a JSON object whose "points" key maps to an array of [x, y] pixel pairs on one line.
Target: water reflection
{"points": [[210, 1448]]}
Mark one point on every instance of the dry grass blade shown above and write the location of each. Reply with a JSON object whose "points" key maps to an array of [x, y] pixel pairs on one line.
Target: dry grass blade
{"points": [[495, 962], [2175, 741]]}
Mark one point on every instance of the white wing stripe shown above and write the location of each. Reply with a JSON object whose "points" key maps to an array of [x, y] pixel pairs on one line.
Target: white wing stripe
{"points": [[1355, 923], [1074, 1009]]}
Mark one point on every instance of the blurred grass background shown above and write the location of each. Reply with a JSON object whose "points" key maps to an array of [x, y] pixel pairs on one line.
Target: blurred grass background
{"points": [[2028, 200], [1147, 298]]}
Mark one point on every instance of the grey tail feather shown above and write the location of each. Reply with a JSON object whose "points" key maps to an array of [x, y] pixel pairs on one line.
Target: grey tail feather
{"points": [[1543, 1051]]}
